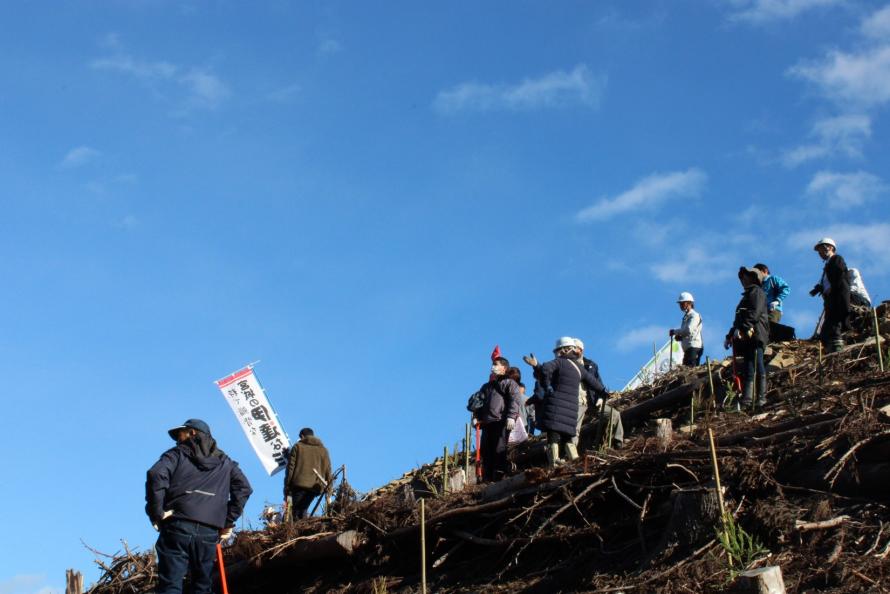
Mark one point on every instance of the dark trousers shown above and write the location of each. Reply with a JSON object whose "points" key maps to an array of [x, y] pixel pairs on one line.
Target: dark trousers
{"points": [[300, 499], [752, 355], [692, 357], [184, 545], [833, 326], [494, 450]]}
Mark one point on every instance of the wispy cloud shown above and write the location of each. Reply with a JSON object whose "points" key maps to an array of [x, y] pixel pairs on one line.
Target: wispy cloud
{"points": [[638, 337], [877, 26], [766, 11], [862, 245], [695, 264], [328, 46], [861, 79], [78, 157], [844, 190], [647, 193], [27, 584], [842, 135], [201, 88], [555, 89]]}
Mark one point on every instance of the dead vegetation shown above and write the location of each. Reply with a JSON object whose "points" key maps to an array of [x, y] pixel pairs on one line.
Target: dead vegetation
{"points": [[805, 484]]}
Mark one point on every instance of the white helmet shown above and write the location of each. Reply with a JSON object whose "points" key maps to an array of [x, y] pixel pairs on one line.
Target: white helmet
{"points": [[564, 341], [685, 296], [579, 343], [825, 241]]}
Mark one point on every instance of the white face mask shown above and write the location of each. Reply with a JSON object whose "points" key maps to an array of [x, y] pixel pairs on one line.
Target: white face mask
{"points": [[498, 369]]}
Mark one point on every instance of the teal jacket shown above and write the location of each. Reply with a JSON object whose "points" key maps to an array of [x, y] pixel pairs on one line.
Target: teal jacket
{"points": [[776, 290]]}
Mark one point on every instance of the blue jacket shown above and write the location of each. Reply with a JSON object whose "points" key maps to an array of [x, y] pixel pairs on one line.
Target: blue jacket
{"points": [[198, 482], [776, 289], [559, 382]]}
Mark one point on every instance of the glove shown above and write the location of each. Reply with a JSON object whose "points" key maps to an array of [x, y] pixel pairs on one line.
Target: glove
{"points": [[750, 333], [671, 332], [475, 422], [511, 423], [167, 513], [226, 533], [548, 392], [773, 305], [530, 359], [727, 342], [816, 290]]}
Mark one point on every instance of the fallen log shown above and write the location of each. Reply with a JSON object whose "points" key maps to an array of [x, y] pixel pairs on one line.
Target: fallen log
{"points": [[638, 414], [325, 547]]}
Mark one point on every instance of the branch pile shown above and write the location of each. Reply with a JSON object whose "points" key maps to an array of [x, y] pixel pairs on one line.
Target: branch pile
{"points": [[807, 478]]}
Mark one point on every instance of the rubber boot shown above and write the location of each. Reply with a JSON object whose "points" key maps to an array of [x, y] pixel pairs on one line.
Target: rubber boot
{"points": [[553, 458], [747, 393], [837, 345], [571, 451], [761, 391]]}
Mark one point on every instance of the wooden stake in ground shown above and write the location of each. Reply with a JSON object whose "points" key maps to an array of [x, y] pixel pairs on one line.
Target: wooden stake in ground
{"points": [[664, 433], [422, 548], [717, 477], [711, 382], [878, 339], [765, 580], [467, 454], [445, 470]]}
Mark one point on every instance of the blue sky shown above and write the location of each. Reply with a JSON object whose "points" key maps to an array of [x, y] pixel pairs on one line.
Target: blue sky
{"points": [[368, 198]]}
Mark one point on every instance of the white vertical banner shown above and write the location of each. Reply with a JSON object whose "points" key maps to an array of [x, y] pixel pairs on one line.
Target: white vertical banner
{"points": [[244, 394], [657, 365]]}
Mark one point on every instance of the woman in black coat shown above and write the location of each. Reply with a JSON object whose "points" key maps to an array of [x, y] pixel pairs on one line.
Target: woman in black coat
{"points": [[560, 382], [750, 334]]}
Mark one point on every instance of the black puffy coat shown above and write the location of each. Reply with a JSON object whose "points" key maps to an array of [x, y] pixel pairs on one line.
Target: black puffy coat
{"points": [[198, 482], [751, 313], [837, 301], [559, 381]]}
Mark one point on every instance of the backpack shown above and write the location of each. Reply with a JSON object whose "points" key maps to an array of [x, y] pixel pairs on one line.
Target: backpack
{"points": [[476, 402]]}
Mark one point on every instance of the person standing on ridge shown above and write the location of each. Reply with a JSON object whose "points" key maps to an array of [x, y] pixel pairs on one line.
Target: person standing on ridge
{"points": [[308, 472], [689, 331], [750, 335], [501, 405], [193, 495], [834, 286], [776, 289]]}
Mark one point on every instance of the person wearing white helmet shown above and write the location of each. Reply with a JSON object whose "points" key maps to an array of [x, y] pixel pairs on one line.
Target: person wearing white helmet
{"points": [[834, 286], [606, 415], [689, 332]]}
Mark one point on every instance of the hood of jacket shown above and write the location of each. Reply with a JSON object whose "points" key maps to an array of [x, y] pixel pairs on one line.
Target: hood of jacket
{"points": [[202, 451], [311, 440]]}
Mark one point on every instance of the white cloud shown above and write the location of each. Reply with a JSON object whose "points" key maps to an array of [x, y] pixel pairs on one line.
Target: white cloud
{"points": [[695, 264], [861, 79], [877, 26], [77, 157], [555, 89], [645, 336], [647, 193], [763, 11], [329, 46], [844, 135], [844, 190], [864, 246], [201, 88], [27, 584]]}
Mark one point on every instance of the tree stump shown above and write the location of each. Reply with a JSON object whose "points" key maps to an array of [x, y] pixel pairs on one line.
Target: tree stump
{"points": [[664, 432], [765, 580], [73, 582]]}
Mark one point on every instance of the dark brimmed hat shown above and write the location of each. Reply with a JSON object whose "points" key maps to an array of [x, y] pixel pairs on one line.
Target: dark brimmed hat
{"points": [[196, 424], [757, 274]]}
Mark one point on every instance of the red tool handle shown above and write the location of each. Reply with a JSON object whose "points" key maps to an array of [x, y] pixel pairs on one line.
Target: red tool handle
{"points": [[478, 451], [222, 569]]}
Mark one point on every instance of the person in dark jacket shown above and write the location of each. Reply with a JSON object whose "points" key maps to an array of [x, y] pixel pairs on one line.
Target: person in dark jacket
{"points": [[750, 334], [561, 382], [834, 286], [193, 495], [502, 405], [608, 418], [308, 472]]}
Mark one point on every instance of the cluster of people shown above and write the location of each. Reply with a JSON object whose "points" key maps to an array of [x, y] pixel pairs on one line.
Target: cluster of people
{"points": [[195, 493], [761, 305], [565, 388]]}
